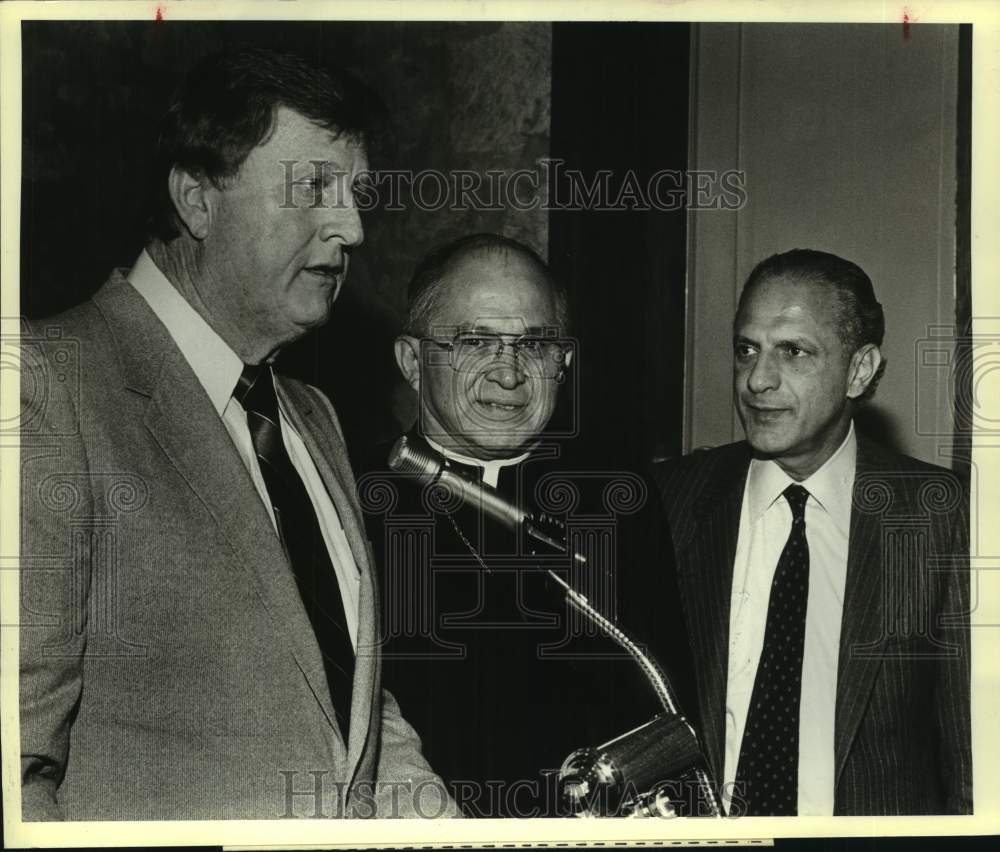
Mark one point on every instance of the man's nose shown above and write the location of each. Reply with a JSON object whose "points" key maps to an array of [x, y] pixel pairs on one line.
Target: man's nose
{"points": [[764, 375], [506, 372], [343, 222]]}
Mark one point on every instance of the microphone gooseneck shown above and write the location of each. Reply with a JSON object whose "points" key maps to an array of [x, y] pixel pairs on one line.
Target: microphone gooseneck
{"points": [[414, 458]]}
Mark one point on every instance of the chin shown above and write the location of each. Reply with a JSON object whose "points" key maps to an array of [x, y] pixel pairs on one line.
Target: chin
{"points": [[313, 317], [767, 443], [499, 447]]}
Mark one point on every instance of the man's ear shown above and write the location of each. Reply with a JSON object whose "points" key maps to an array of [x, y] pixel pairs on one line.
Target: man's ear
{"points": [[189, 194], [864, 366], [407, 350]]}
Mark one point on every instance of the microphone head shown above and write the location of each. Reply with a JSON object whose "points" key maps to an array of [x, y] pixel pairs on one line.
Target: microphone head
{"points": [[409, 458], [413, 457]]}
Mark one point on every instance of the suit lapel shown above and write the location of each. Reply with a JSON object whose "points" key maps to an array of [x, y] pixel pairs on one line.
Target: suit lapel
{"points": [[705, 573], [322, 439], [863, 623], [184, 424]]}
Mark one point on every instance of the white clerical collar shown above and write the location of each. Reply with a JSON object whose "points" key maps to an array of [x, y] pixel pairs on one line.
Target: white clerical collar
{"points": [[491, 467], [215, 364], [831, 486]]}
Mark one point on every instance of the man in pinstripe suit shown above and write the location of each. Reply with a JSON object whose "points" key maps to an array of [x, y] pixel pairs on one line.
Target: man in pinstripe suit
{"points": [[824, 579]]}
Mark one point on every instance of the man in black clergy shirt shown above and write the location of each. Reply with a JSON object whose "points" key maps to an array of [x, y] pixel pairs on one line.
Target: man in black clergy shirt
{"points": [[499, 680]]}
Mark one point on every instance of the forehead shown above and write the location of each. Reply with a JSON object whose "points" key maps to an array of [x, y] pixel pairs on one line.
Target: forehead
{"points": [[295, 137], [494, 289], [782, 303]]}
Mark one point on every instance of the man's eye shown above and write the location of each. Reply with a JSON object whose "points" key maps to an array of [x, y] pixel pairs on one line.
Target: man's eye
{"points": [[530, 345], [794, 351], [742, 350]]}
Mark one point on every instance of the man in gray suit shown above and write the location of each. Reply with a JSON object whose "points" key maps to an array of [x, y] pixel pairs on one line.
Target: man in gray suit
{"points": [[198, 604], [824, 579]]}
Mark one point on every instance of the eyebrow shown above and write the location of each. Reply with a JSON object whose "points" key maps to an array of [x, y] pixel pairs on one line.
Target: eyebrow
{"points": [[801, 342], [324, 169], [532, 331]]}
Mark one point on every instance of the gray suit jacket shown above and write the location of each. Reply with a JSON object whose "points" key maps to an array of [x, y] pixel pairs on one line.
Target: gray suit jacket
{"points": [[902, 727], [168, 667]]}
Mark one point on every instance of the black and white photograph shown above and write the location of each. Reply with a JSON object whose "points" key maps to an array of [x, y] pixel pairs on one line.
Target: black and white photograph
{"points": [[497, 427]]}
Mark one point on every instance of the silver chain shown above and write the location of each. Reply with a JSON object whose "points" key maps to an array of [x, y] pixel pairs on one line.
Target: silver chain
{"points": [[468, 544]]}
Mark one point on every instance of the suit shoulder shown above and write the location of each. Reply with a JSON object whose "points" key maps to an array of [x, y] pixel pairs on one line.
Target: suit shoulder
{"points": [[82, 322], [89, 316], [88, 335], [683, 478], [874, 457], [890, 483], [62, 354], [700, 461]]}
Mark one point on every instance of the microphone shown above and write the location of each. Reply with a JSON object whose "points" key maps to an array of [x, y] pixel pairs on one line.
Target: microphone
{"points": [[428, 467], [664, 747]]}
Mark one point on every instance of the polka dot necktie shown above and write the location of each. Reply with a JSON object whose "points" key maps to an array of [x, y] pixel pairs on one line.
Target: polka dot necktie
{"points": [[767, 775], [298, 529]]}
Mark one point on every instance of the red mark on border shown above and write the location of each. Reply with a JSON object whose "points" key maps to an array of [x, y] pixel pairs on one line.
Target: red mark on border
{"points": [[906, 24], [159, 13]]}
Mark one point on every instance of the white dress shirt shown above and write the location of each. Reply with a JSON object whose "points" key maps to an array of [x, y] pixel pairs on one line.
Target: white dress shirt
{"points": [[765, 522], [218, 369]]}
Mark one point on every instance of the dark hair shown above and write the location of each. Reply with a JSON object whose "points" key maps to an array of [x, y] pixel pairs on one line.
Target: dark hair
{"points": [[860, 319], [225, 107], [422, 292]]}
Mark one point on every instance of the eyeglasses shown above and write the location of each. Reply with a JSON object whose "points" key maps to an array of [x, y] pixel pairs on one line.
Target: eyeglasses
{"points": [[539, 357]]}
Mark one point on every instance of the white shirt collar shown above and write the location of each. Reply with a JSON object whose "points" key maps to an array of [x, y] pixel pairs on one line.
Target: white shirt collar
{"points": [[491, 467], [216, 365], [831, 486]]}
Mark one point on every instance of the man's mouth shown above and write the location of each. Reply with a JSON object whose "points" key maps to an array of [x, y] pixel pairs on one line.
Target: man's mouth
{"points": [[500, 406], [331, 273], [766, 412]]}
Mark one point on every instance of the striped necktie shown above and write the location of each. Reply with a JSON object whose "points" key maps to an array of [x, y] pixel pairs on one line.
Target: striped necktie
{"points": [[299, 531]]}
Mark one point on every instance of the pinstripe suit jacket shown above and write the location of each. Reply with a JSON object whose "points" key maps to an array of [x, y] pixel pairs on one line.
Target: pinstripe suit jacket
{"points": [[902, 727], [168, 667]]}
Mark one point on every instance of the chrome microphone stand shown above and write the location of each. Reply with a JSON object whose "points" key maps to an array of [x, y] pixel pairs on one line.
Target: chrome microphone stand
{"points": [[618, 763]]}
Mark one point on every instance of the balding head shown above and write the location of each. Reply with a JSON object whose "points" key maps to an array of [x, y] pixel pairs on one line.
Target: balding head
{"points": [[425, 290]]}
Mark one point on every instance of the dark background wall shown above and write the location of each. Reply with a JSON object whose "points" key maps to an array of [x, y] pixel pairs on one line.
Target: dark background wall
{"points": [[478, 96], [620, 104]]}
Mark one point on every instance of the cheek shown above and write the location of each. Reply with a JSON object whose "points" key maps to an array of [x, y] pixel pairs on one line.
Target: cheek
{"points": [[275, 238], [801, 382], [544, 402], [450, 394]]}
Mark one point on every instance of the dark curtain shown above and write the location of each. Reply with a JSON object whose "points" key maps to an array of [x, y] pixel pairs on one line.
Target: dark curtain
{"points": [[620, 105]]}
